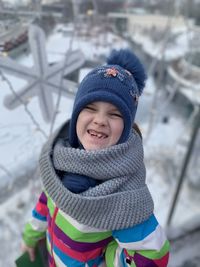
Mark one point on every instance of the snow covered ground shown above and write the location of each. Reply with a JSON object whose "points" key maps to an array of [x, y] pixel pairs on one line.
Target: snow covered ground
{"points": [[21, 142]]}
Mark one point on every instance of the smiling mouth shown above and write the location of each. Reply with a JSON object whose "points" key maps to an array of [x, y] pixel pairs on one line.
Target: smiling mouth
{"points": [[99, 135]]}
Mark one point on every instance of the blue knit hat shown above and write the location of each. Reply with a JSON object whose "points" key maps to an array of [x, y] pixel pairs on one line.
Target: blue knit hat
{"points": [[119, 82]]}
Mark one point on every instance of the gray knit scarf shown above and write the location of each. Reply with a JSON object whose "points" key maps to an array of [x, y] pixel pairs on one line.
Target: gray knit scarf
{"points": [[120, 201]]}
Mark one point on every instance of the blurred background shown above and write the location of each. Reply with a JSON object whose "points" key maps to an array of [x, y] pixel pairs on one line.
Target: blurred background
{"points": [[47, 47]]}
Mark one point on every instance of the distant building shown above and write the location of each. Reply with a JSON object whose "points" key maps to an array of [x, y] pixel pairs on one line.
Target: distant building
{"points": [[137, 22]]}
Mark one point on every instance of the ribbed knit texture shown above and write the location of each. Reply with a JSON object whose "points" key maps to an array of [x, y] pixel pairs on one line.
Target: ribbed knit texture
{"points": [[121, 201]]}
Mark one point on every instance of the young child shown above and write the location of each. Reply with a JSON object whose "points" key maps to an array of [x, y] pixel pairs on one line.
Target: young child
{"points": [[95, 208]]}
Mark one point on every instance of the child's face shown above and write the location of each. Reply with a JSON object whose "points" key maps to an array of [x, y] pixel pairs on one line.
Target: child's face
{"points": [[99, 125]]}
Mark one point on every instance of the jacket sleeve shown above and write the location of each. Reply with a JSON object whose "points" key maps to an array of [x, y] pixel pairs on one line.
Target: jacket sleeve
{"points": [[35, 229], [142, 245]]}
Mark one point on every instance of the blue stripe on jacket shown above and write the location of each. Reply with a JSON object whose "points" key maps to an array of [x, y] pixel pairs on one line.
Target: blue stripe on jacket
{"points": [[38, 216], [137, 232]]}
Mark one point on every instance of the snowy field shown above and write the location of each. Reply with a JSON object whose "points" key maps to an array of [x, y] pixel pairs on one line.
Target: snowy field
{"points": [[21, 142]]}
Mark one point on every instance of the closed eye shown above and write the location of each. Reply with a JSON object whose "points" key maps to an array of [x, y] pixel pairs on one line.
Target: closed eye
{"points": [[90, 108], [116, 115]]}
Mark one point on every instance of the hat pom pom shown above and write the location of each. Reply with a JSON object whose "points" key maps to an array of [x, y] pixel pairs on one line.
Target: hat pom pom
{"points": [[129, 61]]}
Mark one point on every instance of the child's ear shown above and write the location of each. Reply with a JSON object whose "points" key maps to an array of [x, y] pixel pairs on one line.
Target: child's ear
{"points": [[137, 129]]}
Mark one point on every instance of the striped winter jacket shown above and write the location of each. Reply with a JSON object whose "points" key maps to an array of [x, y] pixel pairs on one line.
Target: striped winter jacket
{"points": [[72, 244]]}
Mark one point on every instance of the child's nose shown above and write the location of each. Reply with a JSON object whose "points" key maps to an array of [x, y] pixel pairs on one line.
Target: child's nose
{"points": [[100, 119]]}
